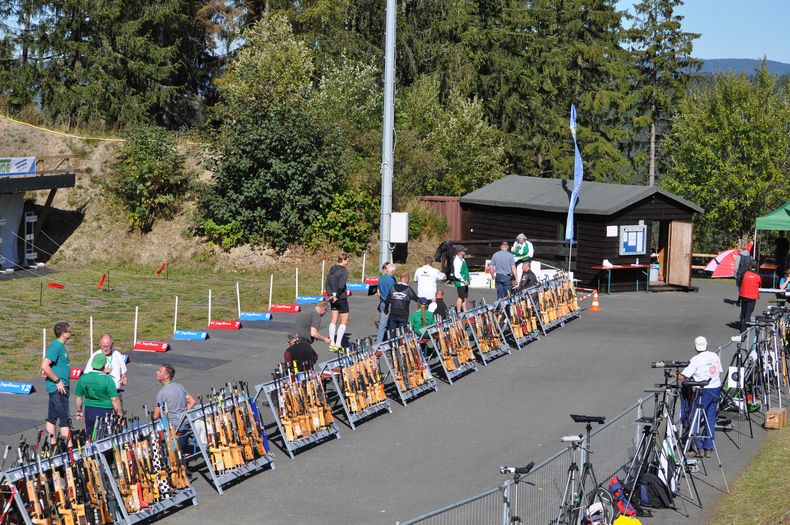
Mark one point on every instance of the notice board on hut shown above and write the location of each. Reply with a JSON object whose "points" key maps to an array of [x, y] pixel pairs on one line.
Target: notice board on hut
{"points": [[633, 239]]}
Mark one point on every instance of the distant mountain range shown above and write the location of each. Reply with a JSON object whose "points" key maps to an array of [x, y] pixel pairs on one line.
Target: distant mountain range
{"points": [[741, 65]]}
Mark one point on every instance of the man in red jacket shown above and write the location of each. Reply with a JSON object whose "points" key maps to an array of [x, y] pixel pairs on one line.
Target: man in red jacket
{"points": [[749, 293]]}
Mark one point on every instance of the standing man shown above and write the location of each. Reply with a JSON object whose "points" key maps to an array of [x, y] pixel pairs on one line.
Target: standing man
{"points": [[503, 268], [780, 253], [116, 360], [308, 323], [426, 277], [461, 278], [441, 307], [336, 289], [386, 282], [299, 351], [748, 294], [397, 303], [703, 366], [523, 251], [528, 277], [177, 400], [96, 393], [57, 368]]}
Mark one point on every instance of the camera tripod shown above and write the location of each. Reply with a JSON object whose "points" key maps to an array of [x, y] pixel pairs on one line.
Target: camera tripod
{"points": [[736, 397], [699, 417], [582, 498], [659, 449]]}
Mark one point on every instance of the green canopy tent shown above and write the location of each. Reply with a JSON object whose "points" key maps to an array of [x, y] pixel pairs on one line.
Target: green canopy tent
{"points": [[779, 219]]}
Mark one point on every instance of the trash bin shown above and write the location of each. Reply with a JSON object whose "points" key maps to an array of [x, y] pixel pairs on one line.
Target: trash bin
{"points": [[654, 272]]}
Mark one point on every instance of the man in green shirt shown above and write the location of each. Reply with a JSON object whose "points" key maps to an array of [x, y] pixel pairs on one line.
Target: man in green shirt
{"points": [[57, 369], [461, 278], [97, 393]]}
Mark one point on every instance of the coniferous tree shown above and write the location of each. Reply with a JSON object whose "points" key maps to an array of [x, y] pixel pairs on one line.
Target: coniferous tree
{"points": [[662, 54], [539, 57]]}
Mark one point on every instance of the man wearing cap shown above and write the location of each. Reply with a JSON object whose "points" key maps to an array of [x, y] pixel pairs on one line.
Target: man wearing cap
{"points": [[503, 268], [704, 366], [95, 395], [523, 251], [116, 360], [460, 278]]}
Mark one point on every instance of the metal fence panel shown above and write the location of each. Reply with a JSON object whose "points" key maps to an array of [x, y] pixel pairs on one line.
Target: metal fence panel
{"points": [[483, 509], [539, 504]]}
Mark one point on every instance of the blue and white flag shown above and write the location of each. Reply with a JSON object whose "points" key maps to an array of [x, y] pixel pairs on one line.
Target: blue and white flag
{"points": [[578, 174]]}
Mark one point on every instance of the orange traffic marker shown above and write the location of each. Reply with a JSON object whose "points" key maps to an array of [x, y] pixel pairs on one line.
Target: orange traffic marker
{"points": [[596, 306]]}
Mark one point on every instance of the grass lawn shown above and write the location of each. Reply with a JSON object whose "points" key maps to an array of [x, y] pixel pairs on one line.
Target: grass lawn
{"points": [[29, 306], [762, 493]]}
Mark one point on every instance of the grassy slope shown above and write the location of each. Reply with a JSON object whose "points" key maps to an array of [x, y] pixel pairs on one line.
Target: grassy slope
{"points": [[760, 495]]}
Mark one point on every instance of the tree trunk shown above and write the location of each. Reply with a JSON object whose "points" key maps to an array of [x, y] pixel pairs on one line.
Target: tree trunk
{"points": [[651, 170]]}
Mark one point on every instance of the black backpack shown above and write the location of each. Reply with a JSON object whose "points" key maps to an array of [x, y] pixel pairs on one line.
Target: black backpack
{"points": [[653, 492]]}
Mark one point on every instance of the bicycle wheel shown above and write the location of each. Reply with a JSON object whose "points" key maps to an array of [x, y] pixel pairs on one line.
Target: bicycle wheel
{"points": [[601, 510]]}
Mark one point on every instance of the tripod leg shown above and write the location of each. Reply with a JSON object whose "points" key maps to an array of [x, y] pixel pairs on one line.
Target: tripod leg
{"points": [[709, 434]]}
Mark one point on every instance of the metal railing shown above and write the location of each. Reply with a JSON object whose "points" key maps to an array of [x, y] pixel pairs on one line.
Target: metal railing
{"points": [[536, 499]]}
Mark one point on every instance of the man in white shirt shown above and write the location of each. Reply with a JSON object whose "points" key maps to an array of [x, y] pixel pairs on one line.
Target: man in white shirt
{"points": [[426, 277], [704, 366], [115, 359]]}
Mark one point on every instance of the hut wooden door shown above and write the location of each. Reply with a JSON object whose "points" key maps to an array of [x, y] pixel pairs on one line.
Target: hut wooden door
{"points": [[679, 256]]}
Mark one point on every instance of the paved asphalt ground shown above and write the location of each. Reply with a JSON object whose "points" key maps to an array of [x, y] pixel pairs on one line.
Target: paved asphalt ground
{"points": [[448, 444]]}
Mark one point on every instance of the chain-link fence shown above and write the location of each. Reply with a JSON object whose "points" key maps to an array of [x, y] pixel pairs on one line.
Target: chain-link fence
{"points": [[537, 497]]}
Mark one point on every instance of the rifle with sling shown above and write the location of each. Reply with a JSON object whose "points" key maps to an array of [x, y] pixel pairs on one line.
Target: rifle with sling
{"points": [[32, 490], [215, 454], [241, 428]]}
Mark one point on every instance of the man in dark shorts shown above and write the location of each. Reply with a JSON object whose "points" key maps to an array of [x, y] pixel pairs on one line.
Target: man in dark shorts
{"points": [[308, 323], [461, 278], [57, 368], [336, 290], [299, 352]]}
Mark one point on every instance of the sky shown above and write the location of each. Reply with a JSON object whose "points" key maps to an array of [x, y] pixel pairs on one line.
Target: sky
{"points": [[736, 28]]}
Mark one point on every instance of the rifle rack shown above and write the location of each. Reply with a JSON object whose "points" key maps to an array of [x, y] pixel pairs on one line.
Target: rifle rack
{"points": [[331, 369], [506, 326], [432, 332], [115, 500], [291, 447], [121, 514], [386, 348], [232, 474], [471, 318]]}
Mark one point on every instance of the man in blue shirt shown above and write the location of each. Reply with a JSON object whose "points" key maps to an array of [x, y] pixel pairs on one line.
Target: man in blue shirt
{"points": [[503, 268], [386, 282], [57, 368]]}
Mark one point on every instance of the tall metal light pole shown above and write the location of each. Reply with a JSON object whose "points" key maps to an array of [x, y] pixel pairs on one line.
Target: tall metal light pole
{"points": [[387, 146]]}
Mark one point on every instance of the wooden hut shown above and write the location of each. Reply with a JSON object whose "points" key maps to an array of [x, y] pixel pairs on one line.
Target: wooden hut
{"points": [[623, 224]]}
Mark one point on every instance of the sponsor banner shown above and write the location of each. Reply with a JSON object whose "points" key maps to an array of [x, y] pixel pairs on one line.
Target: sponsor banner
{"points": [[17, 166], [255, 316], [190, 335], [288, 308], [15, 387], [151, 346], [309, 299], [224, 325]]}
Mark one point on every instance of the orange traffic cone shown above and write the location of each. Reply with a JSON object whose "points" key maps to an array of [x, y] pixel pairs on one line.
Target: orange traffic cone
{"points": [[596, 306]]}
